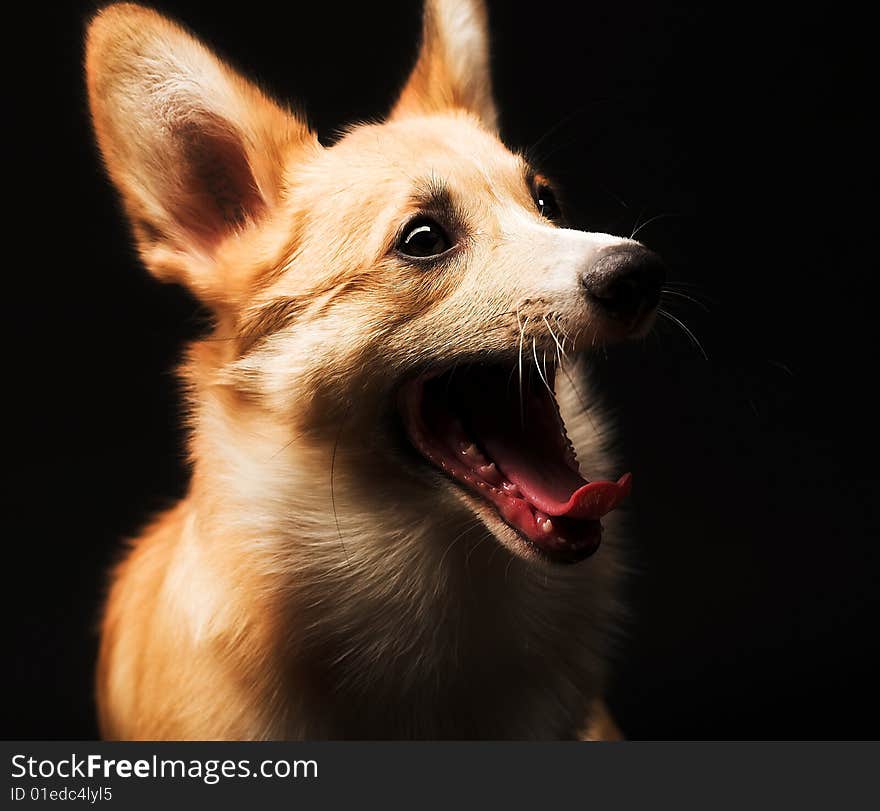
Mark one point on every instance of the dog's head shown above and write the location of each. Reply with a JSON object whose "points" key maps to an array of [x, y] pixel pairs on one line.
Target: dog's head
{"points": [[414, 283]]}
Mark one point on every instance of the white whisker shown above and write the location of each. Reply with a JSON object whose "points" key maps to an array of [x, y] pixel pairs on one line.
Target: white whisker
{"points": [[565, 336], [538, 365], [560, 352], [685, 296], [687, 332], [647, 223], [522, 332], [472, 525]]}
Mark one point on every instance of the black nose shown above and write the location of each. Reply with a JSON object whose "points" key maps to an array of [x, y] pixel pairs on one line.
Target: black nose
{"points": [[625, 282]]}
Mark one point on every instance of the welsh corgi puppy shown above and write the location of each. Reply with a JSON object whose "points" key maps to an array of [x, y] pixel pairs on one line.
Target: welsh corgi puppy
{"points": [[397, 498]]}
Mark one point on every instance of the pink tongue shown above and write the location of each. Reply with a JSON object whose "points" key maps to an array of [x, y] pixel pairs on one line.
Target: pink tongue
{"points": [[551, 485], [528, 450]]}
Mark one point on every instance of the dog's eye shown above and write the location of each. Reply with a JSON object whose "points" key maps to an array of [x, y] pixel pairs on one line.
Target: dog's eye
{"points": [[546, 202], [423, 238]]}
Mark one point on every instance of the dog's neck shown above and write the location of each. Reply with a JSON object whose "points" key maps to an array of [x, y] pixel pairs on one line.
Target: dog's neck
{"points": [[390, 596]]}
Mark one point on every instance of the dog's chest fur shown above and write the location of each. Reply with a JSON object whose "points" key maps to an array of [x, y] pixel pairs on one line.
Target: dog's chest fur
{"points": [[476, 646]]}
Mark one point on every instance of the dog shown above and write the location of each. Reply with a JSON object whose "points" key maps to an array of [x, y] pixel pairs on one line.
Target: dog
{"points": [[393, 524]]}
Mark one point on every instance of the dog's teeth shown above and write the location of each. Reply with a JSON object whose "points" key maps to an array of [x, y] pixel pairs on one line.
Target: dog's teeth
{"points": [[472, 453], [490, 473], [511, 489], [544, 523]]}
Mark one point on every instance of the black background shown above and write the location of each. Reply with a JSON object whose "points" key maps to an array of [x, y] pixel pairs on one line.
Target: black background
{"points": [[746, 128]]}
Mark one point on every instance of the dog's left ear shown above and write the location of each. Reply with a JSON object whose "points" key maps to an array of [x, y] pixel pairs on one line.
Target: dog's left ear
{"points": [[452, 70], [198, 153]]}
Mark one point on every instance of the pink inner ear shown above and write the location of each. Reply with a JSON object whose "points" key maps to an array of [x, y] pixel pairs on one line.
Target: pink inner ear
{"points": [[220, 193]]}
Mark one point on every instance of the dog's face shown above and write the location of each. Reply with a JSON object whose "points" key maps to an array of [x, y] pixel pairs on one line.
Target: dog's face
{"points": [[414, 282]]}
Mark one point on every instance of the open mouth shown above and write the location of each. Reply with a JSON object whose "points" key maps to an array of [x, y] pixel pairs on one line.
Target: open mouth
{"points": [[505, 442]]}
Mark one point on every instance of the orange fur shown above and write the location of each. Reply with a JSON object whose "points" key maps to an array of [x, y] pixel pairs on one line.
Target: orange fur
{"points": [[311, 584]]}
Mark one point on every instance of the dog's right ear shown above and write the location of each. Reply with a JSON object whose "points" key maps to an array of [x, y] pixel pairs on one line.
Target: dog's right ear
{"points": [[197, 152], [452, 69]]}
